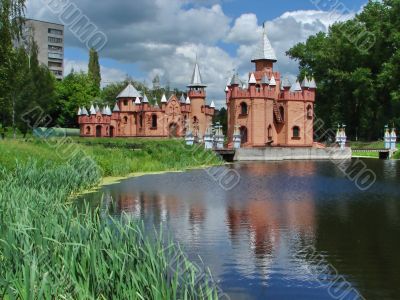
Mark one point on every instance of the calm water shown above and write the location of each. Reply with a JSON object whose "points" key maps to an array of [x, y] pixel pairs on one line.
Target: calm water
{"points": [[258, 239]]}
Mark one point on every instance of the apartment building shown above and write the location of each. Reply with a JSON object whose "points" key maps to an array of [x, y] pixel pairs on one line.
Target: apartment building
{"points": [[50, 40]]}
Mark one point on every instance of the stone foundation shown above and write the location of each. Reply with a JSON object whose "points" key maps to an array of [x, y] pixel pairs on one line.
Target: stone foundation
{"points": [[291, 153]]}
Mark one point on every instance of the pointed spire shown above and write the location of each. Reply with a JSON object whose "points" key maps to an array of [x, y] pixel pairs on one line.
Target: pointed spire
{"points": [[137, 100], [252, 79], [164, 99], [97, 108], [196, 77], [145, 100], [265, 79], [296, 87], [109, 113], [227, 89], [313, 84], [116, 107], [212, 105], [129, 92], [272, 82], [187, 100], [183, 100], [84, 112], [286, 84], [92, 110], [264, 50], [235, 79], [79, 112], [305, 83], [104, 111]]}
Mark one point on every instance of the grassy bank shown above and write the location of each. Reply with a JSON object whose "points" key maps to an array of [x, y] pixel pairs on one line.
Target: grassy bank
{"points": [[49, 250]]}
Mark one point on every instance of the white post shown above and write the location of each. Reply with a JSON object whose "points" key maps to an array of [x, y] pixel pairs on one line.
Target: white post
{"points": [[387, 138]]}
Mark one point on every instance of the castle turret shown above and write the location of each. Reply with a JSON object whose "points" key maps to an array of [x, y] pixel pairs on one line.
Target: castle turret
{"points": [[265, 56]]}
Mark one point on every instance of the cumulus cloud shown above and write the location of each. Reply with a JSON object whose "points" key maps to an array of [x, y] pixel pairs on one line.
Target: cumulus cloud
{"points": [[164, 36], [107, 74]]}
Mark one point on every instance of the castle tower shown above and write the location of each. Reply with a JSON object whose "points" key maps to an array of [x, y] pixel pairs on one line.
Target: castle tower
{"points": [[197, 96], [265, 56]]}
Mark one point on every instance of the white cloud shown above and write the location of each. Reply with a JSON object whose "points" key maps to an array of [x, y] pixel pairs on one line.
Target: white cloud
{"points": [[163, 37], [108, 75]]}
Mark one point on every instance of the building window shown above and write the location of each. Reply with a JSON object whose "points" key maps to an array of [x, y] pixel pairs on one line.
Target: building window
{"points": [[243, 109], [55, 31], [141, 121], [154, 121], [57, 72], [55, 64], [126, 102], [55, 40], [55, 48], [55, 55], [87, 130], [309, 112], [269, 133], [258, 88], [296, 132]]}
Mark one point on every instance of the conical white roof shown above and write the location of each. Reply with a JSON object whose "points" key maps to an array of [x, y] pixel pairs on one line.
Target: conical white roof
{"points": [[116, 107], [129, 92], [137, 100], [286, 83], [97, 108], [145, 100], [79, 111], [183, 100], [212, 105], [104, 111], [252, 79], [109, 113], [265, 79], [305, 83], [313, 84], [272, 82], [196, 77], [264, 50], [92, 110], [235, 79], [84, 111], [164, 99], [187, 100], [296, 87]]}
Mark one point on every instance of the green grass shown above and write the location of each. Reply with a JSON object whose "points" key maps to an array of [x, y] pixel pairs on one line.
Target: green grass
{"points": [[51, 250], [366, 154], [368, 145]]}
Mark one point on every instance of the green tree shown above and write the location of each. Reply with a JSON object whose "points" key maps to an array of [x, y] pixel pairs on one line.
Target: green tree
{"points": [[76, 90], [94, 70], [357, 66]]}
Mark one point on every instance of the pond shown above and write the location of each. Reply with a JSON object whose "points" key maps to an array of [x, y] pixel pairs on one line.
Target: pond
{"points": [[283, 230]]}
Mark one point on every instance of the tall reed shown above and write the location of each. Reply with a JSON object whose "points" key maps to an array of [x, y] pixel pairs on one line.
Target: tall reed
{"points": [[51, 250]]}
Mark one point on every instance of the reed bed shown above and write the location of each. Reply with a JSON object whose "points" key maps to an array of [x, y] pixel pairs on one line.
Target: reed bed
{"points": [[51, 250]]}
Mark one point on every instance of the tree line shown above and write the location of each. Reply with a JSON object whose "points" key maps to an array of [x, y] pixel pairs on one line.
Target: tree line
{"points": [[357, 66]]}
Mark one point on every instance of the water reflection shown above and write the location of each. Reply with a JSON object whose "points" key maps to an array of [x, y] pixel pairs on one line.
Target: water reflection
{"points": [[250, 236]]}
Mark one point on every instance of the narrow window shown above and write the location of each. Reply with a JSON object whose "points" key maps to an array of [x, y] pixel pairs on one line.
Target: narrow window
{"points": [[243, 109], [296, 132], [154, 121]]}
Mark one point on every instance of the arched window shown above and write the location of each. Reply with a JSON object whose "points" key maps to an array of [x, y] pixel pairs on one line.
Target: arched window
{"points": [[309, 112], [296, 132], [154, 121], [87, 130], [243, 109], [269, 133], [282, 112], [243, 134], [125, 120], [126, 102]]}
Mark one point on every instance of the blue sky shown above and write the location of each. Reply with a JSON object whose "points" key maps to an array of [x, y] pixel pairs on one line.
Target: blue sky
{"points": [[162, 37]]}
